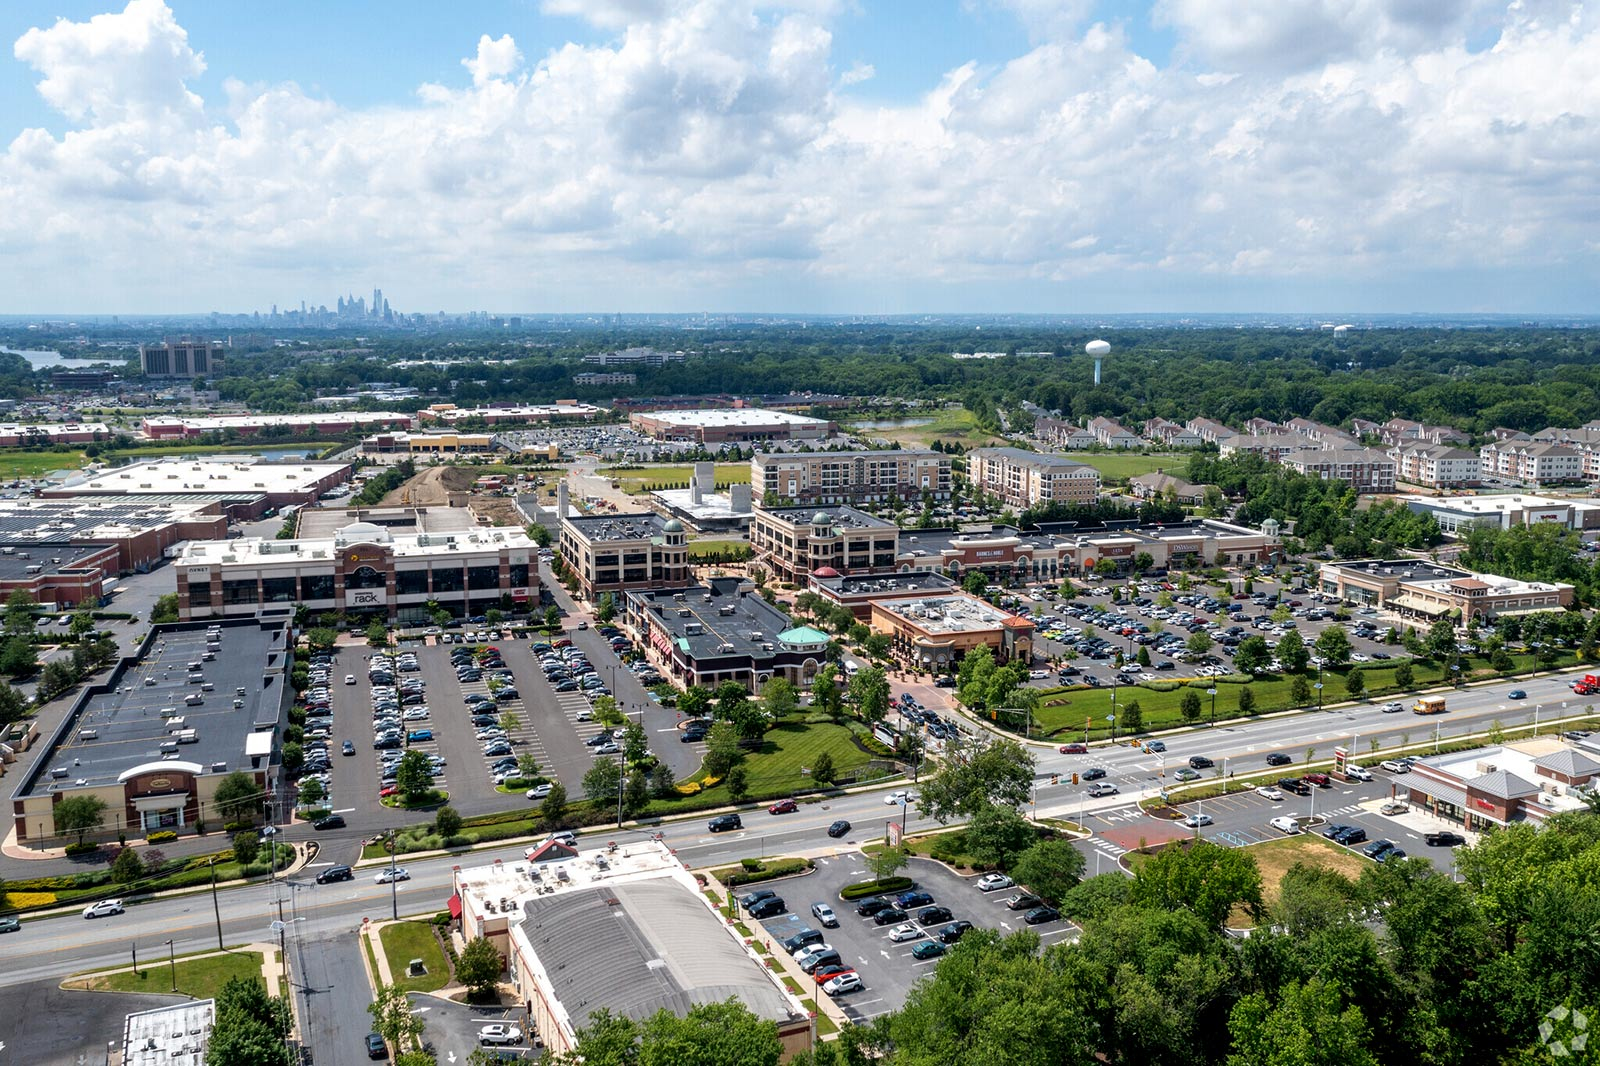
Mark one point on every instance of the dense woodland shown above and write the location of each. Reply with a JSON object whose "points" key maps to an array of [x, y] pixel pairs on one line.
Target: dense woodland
{"points": [[1475, 379]]}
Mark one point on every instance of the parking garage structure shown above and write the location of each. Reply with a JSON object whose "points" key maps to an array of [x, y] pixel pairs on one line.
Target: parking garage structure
{"points": [[155, 739], [363, 569]]}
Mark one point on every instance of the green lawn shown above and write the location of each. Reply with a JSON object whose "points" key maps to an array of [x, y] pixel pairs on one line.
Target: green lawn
{"points": [[1064, 712], [701, 549], [1119, 466], [633, 480], [404, 941], [774, 770], [23, 463], [950, 424], [197, 977]]}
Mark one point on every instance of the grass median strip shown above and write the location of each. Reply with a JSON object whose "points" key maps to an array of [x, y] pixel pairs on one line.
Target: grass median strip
{"points": [[404, 941], [199, 977]]}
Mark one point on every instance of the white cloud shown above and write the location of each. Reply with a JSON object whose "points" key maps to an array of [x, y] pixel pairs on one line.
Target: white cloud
{"points": [[703, 151], [495, 59], [858, 73]]}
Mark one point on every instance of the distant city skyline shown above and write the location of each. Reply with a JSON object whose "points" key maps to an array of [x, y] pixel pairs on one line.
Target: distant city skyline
{"points": [[1093, 157]]}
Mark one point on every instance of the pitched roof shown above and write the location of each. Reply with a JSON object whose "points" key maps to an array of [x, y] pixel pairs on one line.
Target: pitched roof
{"points": [[1568, 762], [1503, 785]]}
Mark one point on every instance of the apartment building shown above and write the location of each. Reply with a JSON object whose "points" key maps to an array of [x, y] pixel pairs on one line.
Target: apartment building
{"points": [[626, 551], [1530, 462], [1060, 434], [1437, 466], [1585, 440], [793, 542], [1208, 430], [1274, 446], [1171, 434], [1363, 469], [1111, 434], [851, 477], [1398, 431], [1022, 479]]}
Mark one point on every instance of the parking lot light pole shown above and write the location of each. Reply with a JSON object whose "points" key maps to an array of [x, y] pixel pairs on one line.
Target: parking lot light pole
{"points": [[394, 898], [1318, 687], [215, 907], [172, 961]]}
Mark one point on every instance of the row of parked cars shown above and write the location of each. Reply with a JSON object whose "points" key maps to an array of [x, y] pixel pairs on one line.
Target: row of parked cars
{"points": [[401, 716]]}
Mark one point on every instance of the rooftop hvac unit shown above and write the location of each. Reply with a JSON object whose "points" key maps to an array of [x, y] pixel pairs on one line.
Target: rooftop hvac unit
{"points": [[725, 647], [684, 612], [1485, 768], [1552, 788]]}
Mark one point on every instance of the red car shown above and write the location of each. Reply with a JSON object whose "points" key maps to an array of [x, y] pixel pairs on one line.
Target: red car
{"points": [[783, 807], [1074, 749], [392, 790]]}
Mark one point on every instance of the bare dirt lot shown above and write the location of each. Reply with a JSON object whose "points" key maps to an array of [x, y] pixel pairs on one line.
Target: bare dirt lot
{"points": [[431, 487]]}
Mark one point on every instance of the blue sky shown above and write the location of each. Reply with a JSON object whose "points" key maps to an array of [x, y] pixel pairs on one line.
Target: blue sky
{"points": [[828, 155]]}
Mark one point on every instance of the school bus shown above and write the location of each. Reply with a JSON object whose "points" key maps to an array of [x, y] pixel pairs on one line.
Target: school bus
{"points": [[1428, 705]]}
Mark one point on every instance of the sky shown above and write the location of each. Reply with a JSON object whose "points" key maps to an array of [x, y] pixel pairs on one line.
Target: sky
{"points": [[824, 156]]}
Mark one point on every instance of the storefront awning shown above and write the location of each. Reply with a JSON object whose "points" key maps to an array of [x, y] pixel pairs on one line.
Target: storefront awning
{"points": [[1441, 792], [454, 905]]}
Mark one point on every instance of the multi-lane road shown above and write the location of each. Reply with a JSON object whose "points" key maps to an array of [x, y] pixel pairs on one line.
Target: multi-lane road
{"points": [[51, 948]]}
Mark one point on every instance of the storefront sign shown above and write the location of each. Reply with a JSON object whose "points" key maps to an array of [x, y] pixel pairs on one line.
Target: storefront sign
{"points": [[365, 597]]}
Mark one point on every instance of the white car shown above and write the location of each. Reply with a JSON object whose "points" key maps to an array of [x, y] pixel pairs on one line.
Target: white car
{"points": [[1395, 766], [1269, 792], [386, 875], [993, 882], [905, 932], [845, 982], [1195, 821], [1392, 708], [499, 1034], [1357, 773], [900, 798], [539, 792], [810, 951], [1284, 824], [349, 679], [104, 908]]}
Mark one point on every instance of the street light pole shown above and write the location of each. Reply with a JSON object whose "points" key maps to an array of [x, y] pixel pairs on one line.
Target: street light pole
{"points": [[172, 960], [1318, 687], [1212, 692], [394, 896]]}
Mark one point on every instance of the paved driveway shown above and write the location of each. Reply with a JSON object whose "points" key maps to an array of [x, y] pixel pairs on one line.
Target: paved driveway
{"points": [[330, 984], [451, 1029]]}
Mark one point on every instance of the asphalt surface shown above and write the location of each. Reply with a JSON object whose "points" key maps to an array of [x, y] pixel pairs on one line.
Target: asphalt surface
{"points": [[43, 1025], [332, 991]]}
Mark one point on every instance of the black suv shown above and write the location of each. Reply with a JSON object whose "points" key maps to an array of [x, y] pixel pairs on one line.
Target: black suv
{"points": [[724, 822], [769, 907], [335, 873], [869, 907], [1200, 762]]}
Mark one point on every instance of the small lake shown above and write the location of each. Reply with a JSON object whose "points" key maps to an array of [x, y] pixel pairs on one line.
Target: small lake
{"points": [[891, 423]]}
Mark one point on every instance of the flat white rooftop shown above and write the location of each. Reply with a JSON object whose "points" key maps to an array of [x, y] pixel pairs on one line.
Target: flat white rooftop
{"points": [[1499, 503], [169, 1036], [949, 614], [723, 418], [213, 474], [217, 423], [260, 551], [52, 429], [534, 412]]}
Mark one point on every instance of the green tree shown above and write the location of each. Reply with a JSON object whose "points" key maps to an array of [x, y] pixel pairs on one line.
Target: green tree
{"points": [[554, 808], [552, 617], [1199, 643], [447, 821], [869, 689], [602, 782], [237, 796], [636, 793], [13, 705], [972, 777], [1404, 675], [722, 749], [1299, 691], [975, 583], [1355, 683], [18, 657], [1333, 644], [695, 701], [58, 676], [165, 609], [82, 624], [661, 781], [1291, 652], [392, 1018], [311, 792], [1132, 717], [738, 784], [19, 617], [527, 765], [1441, 642], [825, 691], [414, 776], [778, 698], [378, 634], [635, 742], [996, 835], [246, 845], [479, 966], [1247, 700], [1189, 706], [79, 814], [1206, 879], [709, 1034], [887, 862], [127, 867], [322, 637], [1052, 868], [1307, 1024], [822, 771], [1252, 655], [606, 608], [250, 1027]]}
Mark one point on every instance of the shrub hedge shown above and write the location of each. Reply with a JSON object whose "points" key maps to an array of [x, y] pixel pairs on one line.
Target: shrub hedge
{"points": [[160, 836], [863, 889], [776, 868]]}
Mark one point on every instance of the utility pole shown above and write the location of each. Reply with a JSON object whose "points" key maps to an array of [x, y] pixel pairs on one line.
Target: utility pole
{"points": [[172, 960], [394, 896], [215, 907]]}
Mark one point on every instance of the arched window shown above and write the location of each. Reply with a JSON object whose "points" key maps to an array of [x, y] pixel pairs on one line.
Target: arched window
{"points": [[364, 577]]}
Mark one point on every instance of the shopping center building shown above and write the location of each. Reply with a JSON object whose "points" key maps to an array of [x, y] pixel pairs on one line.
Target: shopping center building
{"points": [[723, 631], [363, 569], [1429, 591], [935, 632]]}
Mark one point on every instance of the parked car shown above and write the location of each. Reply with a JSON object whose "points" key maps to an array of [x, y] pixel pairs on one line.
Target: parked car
{"points": [[1394, 807], [1269, 792], [751, 899], [1357, 773], [824, 914], [927, 949], [889, 916], [1376, 849], [1285, 824], [499, 1034], [904, 932], [872, 906], [769, 907], [1023, 901], [376, 1048], [934, 915], [803, 939], [845, 982], [914, 898], [1351, 836], [954, 931], [1040, 915], [992, 882]]}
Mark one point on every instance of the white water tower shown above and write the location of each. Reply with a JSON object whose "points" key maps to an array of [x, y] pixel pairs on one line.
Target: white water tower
{"points": [[1098, 349]]}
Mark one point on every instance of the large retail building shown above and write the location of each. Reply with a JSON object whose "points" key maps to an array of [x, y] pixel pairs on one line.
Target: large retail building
{"points": [[720, 425], [1429, 591], [724, 631], [246, 486], [364, 569], [153, 740]]}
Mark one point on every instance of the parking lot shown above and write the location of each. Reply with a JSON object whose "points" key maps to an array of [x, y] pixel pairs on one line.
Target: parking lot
{"points": [[450, 1030], [887, 968], [1244, 818]]}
